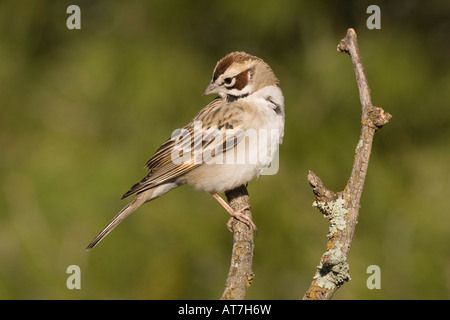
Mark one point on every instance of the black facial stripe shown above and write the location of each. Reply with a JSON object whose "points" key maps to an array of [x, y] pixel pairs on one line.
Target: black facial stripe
{"points": [[231, 98]]}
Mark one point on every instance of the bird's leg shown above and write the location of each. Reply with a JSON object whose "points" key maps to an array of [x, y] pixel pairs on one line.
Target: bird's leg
{"points": [[239, 215]]}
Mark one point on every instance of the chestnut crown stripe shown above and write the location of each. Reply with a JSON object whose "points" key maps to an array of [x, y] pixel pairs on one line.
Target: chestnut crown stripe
{"points": [[225, 63]]}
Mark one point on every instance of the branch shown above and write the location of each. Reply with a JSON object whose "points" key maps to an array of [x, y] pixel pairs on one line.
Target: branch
{"points": [[342, 208], [240, 275]]}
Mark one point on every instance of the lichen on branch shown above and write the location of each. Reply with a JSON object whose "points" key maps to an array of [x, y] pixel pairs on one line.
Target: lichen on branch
{"points": [[342, 208]]}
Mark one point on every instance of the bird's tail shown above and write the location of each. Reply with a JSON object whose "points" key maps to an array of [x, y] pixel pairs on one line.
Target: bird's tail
{"points": [[125, 212]]}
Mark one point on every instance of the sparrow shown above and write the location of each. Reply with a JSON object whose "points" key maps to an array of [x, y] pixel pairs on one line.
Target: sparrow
{"points": [[227, 144]]}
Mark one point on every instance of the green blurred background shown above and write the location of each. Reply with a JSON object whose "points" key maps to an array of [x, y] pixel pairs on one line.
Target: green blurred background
{"points": [[81, 111]]}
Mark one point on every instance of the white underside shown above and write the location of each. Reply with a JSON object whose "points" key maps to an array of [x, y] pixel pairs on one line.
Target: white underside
{"points": [[259, 152]]}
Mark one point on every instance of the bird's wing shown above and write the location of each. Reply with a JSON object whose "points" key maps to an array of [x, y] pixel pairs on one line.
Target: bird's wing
{"points": [[216, 128]]}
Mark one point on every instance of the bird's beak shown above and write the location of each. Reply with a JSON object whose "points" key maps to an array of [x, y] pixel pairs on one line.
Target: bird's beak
{"points": [[211, 88]]}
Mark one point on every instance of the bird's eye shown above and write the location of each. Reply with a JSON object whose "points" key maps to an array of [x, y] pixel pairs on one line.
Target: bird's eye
{"points": [[229, 81]]}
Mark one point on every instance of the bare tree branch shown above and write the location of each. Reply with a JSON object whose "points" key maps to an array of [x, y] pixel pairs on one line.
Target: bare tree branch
{"points": [[342, 208], [240, 275]]}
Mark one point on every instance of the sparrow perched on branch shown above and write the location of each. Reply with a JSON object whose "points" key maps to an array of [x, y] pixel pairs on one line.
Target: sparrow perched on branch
{"points": [[227, 144]]}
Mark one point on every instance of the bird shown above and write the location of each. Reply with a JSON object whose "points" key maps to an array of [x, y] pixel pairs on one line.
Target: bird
{"points": [[224, 146]]}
